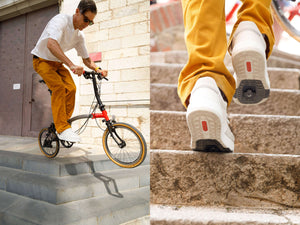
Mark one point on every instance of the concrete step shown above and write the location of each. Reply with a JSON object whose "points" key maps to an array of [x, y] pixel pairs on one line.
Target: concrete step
{"points": [[145, 220], [177, 215], [59, 167], [279, 78], [280, 102], [214, 179], [107, 210], [59, 190], [253, 133], [278, 59]]}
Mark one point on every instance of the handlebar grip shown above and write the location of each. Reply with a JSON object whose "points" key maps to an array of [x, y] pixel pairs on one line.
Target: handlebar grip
{"points": [[87, 74]]}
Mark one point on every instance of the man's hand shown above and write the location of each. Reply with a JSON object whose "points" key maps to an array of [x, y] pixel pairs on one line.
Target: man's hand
{"points": [[104, 72], [91, 64], [77, 70]]}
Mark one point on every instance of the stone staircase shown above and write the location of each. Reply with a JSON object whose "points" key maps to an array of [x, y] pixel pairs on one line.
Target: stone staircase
{"points": [[85, 190], [258, 184]]}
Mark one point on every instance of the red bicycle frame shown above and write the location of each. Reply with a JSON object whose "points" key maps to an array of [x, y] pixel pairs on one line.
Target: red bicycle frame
{"points": [[103, 114]]}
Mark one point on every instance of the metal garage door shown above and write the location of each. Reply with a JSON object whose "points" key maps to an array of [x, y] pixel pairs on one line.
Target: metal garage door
{"points": [[24, 103]]}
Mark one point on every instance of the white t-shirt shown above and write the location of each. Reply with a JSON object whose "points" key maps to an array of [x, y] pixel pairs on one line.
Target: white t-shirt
{"points": [[61, 29]]}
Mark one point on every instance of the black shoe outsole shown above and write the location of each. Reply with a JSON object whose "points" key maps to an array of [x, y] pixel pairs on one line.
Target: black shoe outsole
{"points": [[210, 145], [251, 92]]}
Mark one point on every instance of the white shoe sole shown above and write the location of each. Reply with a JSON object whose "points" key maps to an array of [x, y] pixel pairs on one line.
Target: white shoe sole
{"points": [[250, 65], [68, 139], [206, 134], [252, 79]]}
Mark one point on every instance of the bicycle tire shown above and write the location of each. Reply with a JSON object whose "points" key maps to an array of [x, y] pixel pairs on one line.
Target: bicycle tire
{"points": [[283, 21], [134, 142], [46, 141]]}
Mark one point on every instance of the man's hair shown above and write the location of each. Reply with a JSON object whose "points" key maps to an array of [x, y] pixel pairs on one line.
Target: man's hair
{"points": [[87, 5]]}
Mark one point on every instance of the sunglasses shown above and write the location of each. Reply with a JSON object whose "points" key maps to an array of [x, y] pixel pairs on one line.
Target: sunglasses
{"points": [[87, 20]]}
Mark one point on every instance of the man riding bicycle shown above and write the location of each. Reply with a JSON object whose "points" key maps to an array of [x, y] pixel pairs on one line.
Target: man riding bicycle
{"points": [[62, 33]]}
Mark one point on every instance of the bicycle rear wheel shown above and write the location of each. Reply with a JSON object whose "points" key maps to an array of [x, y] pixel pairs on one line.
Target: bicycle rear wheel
{"points": [[286, 13], [125, 145], [48, 143]]}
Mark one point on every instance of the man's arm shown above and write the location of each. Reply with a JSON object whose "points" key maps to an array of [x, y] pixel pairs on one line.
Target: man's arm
{"points": [[90, 64], [56, 50]]}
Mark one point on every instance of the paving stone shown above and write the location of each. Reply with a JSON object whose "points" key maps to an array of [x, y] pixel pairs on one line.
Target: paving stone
{"points": [[253, 133], [212, 179]]}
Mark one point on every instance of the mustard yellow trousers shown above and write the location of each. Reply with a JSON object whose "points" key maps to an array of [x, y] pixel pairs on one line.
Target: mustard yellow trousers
{"points": [[60, 82], [206, 41]]}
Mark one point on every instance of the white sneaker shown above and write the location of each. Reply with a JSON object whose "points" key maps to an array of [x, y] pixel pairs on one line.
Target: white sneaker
{"points": [[69, 135], [249, 61], [207, 118]]}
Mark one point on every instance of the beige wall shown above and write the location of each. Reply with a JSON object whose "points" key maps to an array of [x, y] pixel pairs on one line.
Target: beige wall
{"points": [[122, 33]]}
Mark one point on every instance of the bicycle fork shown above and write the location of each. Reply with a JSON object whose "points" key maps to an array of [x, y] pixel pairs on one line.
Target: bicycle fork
{"points": [[111, 129]]}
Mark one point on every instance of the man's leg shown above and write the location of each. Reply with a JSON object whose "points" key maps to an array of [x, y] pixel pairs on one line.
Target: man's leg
{"points": [[205, 85], [251, 43], [70, 90], [47, 70], [205, 36]]}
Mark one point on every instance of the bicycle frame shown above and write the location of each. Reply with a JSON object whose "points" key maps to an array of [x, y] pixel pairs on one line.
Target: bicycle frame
{"points": [[103, 113]]}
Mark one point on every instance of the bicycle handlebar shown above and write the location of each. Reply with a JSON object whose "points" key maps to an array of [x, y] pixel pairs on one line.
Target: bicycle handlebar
{"points": [[90, 74]]}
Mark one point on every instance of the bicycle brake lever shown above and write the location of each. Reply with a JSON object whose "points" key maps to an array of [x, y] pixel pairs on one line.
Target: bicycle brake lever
{"points": [[100, 76]]}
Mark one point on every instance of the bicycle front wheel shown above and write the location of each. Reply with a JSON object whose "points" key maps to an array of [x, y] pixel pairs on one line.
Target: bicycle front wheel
{"points": [[48, 143], [286, 13], [124, 145]]}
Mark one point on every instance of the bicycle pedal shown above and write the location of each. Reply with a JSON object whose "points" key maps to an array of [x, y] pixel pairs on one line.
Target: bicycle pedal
{"points": [[251, 92]]}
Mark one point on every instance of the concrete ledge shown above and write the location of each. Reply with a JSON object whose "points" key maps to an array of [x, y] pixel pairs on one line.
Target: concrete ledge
{"points": [[172, 215], [165, 73], [212, 179], [13, 8], [108, 210], [253, 133], [58, 167], [278, 58], [66, 189], [280, 102]]}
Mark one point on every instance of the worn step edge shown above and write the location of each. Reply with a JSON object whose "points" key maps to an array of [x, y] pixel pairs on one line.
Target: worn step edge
{"points": [[277, 59], [214, 179], [145, 220], [279, 77], [108, 210], [181, 215], [59, 190], [60, 166], [276, 134], [280, 102]]}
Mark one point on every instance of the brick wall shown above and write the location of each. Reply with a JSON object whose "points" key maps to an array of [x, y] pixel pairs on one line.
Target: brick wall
{"points": [[122, 33], [167, 31]]}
